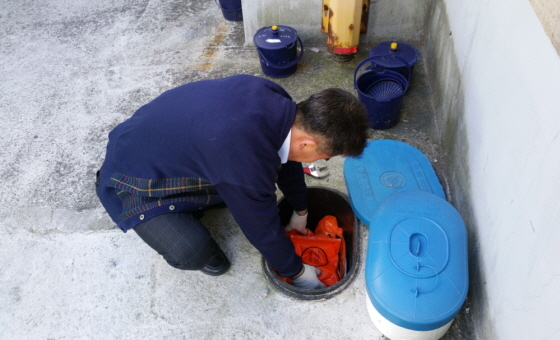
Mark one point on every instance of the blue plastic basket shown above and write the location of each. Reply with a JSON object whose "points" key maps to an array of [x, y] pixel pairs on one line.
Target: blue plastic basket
{"points": [[381, 91]]}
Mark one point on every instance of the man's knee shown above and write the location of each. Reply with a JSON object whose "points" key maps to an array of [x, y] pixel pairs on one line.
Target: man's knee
{"points": [[189, 258], [180, 239]]}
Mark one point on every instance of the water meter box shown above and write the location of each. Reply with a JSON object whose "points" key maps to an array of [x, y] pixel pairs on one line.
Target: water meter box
{"points": [[416, 265], [323, 202], [386, 167]]}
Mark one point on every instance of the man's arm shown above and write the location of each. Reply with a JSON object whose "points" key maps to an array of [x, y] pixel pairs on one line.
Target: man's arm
{"points": [[291, 182], [256, 213]]}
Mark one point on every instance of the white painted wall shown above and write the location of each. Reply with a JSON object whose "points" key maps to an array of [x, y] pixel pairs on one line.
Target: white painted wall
{"points": [[510, 75]]}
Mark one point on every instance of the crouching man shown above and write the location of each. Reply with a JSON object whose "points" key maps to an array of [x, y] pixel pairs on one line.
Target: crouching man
{"points": [[225, 142]]}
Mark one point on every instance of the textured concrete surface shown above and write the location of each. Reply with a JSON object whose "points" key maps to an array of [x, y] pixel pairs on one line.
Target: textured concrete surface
{"points": [[70, 71], [548, 12]]}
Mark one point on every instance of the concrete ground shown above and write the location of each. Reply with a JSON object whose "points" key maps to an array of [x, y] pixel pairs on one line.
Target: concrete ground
{"points": [[70, 71]]}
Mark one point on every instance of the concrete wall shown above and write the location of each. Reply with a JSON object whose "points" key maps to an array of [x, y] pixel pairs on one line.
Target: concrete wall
{"points": [[388, 19], [548, 12], [496, 84], [302, 15]]}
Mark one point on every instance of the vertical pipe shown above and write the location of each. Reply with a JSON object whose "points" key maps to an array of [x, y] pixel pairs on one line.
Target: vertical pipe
{"points": [[343, 20]]}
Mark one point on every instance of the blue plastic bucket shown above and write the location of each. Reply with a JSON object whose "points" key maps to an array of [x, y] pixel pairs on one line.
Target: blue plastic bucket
{"points": [[405, 52], [277, 50], [381, 91], [231, 9]]}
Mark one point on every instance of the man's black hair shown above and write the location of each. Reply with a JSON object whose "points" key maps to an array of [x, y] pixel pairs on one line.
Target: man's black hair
{"points": [[339, 118]]}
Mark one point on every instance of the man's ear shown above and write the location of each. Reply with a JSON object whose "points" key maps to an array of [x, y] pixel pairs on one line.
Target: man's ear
{"points": [[307, 141]]}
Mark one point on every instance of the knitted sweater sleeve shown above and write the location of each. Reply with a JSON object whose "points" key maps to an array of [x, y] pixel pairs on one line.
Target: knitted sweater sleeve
{"points": [[291, 182]]}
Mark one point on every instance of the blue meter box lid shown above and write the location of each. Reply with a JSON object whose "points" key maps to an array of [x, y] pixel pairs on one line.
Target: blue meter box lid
{"points": [[387, 167], [417, 264]]}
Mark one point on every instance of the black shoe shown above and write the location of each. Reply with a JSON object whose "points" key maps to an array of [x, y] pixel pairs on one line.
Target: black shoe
{"points": [[218, 264]]}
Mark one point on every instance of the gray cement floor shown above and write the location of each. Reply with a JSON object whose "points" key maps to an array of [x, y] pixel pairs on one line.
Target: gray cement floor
{"points": [[70, 71]]}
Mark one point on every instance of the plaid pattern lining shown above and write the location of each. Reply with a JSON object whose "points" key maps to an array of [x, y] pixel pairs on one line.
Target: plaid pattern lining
{"points": [[140, 194]]}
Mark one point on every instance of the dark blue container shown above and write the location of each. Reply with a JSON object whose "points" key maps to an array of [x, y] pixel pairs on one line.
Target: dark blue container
{"points": [[231, 9], [404, 52], [277, 49], [381, 91]]}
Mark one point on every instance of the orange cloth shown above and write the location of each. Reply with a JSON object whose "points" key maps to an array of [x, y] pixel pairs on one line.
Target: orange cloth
{"points": [[324, 249]]}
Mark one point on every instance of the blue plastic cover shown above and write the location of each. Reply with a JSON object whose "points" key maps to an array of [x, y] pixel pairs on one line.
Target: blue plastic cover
{"points": [[269, 39], [404, 51], [386, 167], [416, 264]]}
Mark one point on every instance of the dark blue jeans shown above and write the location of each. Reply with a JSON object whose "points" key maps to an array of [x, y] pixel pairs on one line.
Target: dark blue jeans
{"points": [[180, 238]]}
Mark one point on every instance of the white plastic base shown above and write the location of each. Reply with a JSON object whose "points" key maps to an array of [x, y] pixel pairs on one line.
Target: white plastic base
{"points": [[395, 332]]}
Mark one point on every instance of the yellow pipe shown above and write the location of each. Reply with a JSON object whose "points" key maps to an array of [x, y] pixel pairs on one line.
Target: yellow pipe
{"points": [[342, 21], [325, 17]]}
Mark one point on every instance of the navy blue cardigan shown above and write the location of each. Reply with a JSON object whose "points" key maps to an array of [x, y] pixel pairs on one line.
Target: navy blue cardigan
{"points": [[204, 142]]}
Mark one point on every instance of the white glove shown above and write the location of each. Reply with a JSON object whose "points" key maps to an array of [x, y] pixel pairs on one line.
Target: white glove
{"points": [[298, 223], [308, 279]]}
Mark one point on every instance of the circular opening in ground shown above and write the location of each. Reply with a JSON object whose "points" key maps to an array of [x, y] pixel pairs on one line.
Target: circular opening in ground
{"points": [[322, 202]]}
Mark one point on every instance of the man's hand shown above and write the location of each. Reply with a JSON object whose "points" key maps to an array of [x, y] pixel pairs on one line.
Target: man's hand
{"points": [[307, 278], [298, 222]]}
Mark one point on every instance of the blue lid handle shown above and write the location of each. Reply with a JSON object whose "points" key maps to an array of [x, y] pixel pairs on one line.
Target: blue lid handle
{"points": [[418, 244], [290, 64]]}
